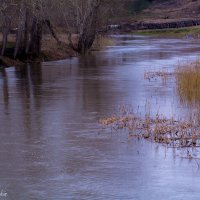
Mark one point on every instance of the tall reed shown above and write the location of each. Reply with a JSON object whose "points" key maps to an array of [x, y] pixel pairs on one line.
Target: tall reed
{"points": [[188, 82]]}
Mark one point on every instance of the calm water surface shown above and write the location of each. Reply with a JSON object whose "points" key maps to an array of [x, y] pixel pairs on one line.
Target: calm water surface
{"points": [[52, 147]]}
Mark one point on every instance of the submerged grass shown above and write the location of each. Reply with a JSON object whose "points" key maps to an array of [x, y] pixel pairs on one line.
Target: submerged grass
{"points": [[159, 129], [164, 75]]}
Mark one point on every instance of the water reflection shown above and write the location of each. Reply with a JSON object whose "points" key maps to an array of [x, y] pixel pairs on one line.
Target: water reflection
{"points": [[3, 76], [52, 146]]}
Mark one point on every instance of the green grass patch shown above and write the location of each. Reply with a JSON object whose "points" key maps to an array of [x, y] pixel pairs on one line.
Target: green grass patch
{"points": [[180, 32]]}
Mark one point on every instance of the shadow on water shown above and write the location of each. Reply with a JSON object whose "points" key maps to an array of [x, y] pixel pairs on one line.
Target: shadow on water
{"points": [[52, 146]]}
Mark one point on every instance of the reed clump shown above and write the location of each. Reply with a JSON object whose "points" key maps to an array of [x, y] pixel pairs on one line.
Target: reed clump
{"points": [[188, 82]]}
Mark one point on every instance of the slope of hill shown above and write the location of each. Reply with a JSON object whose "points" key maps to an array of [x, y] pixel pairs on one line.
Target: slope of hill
{"points": [[172, 9]]}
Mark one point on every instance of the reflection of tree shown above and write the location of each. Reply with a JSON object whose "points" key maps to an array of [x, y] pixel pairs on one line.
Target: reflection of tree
{"points": [[5, 88], [30, 76], [101, 88], [28, 90], [91, 84], [99, 84]]}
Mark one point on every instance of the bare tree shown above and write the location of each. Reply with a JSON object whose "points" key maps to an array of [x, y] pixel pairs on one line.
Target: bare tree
{"points": [[6, 23], [29, 35], [29, 17], [83, 16]]}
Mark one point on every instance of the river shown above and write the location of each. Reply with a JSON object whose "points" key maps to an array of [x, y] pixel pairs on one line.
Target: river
{"points": [[52, 146]]}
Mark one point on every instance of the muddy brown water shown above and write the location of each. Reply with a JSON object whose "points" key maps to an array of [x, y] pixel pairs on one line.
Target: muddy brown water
{"points": [[52, 147]]}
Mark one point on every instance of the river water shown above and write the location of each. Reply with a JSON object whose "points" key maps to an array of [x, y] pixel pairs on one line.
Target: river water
{"points": [[52, 147]]}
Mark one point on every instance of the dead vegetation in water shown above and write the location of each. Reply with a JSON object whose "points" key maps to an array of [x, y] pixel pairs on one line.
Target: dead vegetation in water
{"points": [[176, 134], [159, 129], [164, 75]]}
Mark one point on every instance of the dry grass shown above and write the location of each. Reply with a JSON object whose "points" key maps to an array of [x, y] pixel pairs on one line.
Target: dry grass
{"points": [[181, 134], [173, 133], [51, 50], [101, 42], [188, 82]]}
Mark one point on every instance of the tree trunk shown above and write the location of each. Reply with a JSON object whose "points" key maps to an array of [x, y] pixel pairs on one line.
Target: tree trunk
{"points": [[87, 19], [5, 32], [49, 25], [29, 35], [4, 41], [36, 37], [88, 32], [85, 42], [22, 34]]}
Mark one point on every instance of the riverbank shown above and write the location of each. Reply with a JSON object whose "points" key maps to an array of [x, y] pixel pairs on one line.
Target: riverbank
{"points": [[161, 24], [188, 32], [161, 27], [51, 50]]}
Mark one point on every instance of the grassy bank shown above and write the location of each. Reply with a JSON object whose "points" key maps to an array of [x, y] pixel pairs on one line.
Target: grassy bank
{"points": [[190, 32]]}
